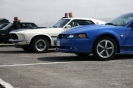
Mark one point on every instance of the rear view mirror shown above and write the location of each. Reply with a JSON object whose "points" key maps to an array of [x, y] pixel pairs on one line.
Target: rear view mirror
{"points": [[68, 26]]}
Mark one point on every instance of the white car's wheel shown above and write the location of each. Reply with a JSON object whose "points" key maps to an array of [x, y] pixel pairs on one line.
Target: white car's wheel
{"points": [[104, 48], [40, 44]]}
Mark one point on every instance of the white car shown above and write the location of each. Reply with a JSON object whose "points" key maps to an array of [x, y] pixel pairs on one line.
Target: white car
{"points": [[39, 40]]}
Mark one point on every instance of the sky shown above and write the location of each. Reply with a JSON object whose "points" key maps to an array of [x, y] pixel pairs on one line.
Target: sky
{"points": [[50, 11]]}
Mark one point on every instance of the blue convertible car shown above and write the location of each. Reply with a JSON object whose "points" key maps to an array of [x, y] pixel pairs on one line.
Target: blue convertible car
{"points": [[103, 41]]}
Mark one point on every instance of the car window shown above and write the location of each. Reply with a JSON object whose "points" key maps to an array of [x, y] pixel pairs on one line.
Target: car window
{"points": [[61, 23], [28, 25], [23, 26], [7, 27], [2, 25], [121, 20], [33, 25], [80, 22]]}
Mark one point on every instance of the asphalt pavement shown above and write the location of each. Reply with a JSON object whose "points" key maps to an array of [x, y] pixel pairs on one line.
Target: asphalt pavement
{"points": [[54, 69]]}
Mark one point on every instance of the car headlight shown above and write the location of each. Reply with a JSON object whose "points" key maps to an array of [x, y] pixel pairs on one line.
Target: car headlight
{"points": [[77, 36]]}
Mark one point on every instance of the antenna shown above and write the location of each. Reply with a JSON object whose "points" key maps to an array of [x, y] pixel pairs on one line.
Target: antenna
{"points": [[47, 19], [96, 8]]}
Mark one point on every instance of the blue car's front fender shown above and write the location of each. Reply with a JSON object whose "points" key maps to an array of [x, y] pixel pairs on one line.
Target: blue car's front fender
{"points": [[95, 35]]}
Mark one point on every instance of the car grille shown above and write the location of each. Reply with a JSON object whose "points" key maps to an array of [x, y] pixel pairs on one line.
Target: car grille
{"points": [[14, 36], [61, 36]]}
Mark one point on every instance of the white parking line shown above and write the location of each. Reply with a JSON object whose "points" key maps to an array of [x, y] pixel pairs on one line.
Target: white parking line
{"points": [[14, 65], [5, 84]]}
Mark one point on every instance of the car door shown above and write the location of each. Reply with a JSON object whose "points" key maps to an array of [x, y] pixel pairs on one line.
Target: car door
{"points": [[129, 37]]}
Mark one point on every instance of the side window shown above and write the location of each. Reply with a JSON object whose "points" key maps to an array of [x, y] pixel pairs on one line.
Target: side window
{"points": [[28, 26], [89, 22], [31, 26], [73, 23], [23, 26], [80, 22]]}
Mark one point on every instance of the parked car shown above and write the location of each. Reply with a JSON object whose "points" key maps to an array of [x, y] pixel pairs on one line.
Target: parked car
{"points": [[39, 40], [3, 20], [4, 32], [103, 41]]}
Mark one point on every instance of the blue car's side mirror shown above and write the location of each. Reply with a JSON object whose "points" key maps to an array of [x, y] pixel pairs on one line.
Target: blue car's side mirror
{"points": [[131, 25]]}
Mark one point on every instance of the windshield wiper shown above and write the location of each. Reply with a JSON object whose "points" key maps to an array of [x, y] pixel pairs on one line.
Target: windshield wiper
{"points": [[110, 24]]}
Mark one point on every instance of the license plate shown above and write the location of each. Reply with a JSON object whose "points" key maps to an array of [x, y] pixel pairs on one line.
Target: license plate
{"points": [[58, 43]]}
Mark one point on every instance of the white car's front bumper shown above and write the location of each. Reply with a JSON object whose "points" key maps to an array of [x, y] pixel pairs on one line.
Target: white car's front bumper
{"points": [[19, 42]]}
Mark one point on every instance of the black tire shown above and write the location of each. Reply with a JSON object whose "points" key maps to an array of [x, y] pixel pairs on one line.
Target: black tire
{"points": [[82, 55], [104, 48], [40, 45]]}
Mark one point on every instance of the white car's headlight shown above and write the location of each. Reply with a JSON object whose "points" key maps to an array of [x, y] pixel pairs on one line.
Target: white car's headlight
{"points": [[82, 35]]}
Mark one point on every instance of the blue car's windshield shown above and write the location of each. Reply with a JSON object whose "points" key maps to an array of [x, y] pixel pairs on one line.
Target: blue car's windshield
{"points": [[61, 23], [121, 20]]}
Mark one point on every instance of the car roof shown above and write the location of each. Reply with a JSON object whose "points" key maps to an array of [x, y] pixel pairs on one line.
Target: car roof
{"points": [[20, 22], [79, 18], [23, 23]]}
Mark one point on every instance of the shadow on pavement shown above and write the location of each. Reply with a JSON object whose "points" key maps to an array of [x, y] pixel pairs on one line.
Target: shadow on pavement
{"points": [[66, 58], [89, 58], [6, 45], [24, 52]]}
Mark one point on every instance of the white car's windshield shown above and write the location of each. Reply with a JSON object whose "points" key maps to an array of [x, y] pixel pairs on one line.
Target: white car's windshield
{"points": [[121, 20], [61, 23]]}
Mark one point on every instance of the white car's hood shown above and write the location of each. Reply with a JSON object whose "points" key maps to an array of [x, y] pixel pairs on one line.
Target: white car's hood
{"points": [[40, 30]]}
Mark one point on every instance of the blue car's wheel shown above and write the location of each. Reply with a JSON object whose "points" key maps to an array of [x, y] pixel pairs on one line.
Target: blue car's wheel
{"points": [[104, 48]]}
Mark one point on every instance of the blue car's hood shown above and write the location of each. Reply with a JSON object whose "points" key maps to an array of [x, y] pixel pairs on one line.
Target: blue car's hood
{"points": [[90, 28]]}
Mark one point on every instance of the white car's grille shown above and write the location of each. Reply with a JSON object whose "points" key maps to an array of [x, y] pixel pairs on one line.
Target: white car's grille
{"points": [[14, 36]]}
